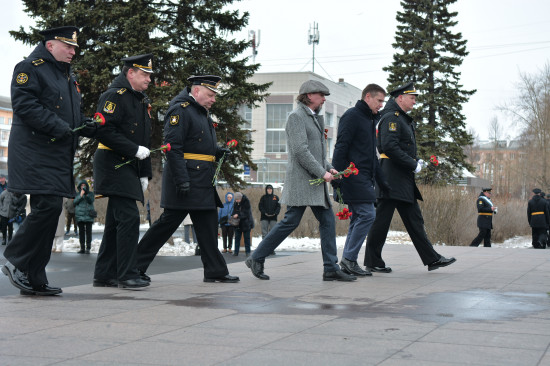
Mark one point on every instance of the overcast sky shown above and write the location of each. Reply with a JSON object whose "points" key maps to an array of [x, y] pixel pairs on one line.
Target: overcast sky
{"points": [[505, 38]]}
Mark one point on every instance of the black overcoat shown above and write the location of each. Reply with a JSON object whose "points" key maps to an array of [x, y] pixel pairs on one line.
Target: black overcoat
{"points": [[46, 103], [356, 142], [396, 140], [127, 126], [188, 128], [485, 212], [537, 212]]}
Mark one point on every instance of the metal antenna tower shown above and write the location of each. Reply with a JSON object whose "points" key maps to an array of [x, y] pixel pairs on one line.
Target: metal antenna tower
{"points": [[313, 38], [255, 43]]}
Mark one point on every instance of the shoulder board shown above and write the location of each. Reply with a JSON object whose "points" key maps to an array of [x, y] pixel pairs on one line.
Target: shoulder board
{"points": [[184, 104], [121, 91], [397, 113], [38, 62]]}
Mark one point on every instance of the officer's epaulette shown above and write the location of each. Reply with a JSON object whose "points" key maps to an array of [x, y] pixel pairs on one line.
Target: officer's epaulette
{"points": [[37, 62], [184, 104], [396, 113], [121, 91]]}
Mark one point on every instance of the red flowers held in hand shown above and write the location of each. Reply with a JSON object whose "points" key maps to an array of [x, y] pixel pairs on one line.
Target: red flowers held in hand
{"points": [[433, 160], [344, 214], [98, 118], [351, 169], [163, 149], [230, 144]]}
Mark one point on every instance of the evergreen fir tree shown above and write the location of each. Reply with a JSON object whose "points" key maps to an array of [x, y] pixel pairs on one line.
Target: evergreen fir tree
{"points": [[428, 54], [186, 37]]}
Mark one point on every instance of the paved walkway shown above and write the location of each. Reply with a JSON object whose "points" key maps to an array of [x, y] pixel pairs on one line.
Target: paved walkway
{"points": [[491, 307]]}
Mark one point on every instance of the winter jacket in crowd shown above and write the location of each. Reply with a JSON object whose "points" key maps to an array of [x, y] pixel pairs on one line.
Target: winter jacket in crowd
{"points": [[226, 210], [269, 205], [84, 204], [243, 210], [12, 204]]}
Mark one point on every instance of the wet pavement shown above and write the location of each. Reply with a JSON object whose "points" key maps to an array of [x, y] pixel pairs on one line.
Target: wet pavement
{"points": [[491, 307]]}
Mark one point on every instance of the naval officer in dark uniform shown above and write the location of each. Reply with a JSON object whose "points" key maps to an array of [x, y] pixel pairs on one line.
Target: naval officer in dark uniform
{"points": [[187, 179], [396, 144], [485, 211], [125, 136], [46, 103]]}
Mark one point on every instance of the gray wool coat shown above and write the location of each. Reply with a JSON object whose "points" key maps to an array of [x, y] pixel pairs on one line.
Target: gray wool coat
{"points": [[307, 159]]}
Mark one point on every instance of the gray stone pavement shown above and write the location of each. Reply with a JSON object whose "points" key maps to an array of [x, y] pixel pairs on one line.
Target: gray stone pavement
{"points": [[491, 307]]}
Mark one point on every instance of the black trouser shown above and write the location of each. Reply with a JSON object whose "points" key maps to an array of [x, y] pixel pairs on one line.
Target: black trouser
{"points": [[539, 237], [85, 234], [205, 223], [485, 236], [70, 218], [117, 254], [31, 247], [227, 236], [6, 227], [414, 223]]}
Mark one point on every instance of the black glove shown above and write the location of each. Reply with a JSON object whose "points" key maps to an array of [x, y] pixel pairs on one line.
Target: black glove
{"points": [[66, 135], [221, 151], [183, 189], [89, 129]]}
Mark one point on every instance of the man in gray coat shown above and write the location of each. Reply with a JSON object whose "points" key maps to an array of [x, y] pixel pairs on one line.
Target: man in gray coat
{"points": [[306, 160]]}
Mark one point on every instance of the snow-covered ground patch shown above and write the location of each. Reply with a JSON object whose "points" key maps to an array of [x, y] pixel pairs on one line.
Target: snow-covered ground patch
{"points": [[181, 248]]}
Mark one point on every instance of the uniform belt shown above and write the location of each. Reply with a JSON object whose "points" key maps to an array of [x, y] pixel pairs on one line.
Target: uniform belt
{"points": [[191, 156], [537, 213], [101, 146], [486, 214], [384, 156]]}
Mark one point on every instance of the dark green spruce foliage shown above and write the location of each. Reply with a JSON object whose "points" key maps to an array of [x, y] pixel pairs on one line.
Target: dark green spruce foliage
{"points": [[186, 37], [428, 53]]}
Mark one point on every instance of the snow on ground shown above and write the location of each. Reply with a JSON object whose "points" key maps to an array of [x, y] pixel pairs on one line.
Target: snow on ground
{"points": [[181, 248]]}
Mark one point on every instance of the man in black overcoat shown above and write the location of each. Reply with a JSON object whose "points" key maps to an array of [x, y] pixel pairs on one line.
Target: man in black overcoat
{"points": [[126, 136], [485, 212], [399, 163], [187, 180], [538, 218], [46, 103]]}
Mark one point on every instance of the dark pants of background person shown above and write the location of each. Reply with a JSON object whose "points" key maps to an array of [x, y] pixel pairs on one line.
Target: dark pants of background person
{"points": [[414, 223], [539, 237], [286, 226], [85, 234], [116, 258], [246, 235], [227, 236], [70, 217], [6, 228], [186, 236], [485, 236], [31, 246], [267, 225], [205, 223]]}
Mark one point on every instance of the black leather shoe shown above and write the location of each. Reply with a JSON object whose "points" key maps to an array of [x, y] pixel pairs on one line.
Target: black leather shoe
{"points": [[17, 278], [380, 269], [338, 276], [105, 283], [257, 268], [144, 276], [224, 279], [352, 268], [42, 290], [133, 283], [442, 262]]}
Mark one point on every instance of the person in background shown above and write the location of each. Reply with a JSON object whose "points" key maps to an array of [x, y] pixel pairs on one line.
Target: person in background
{"points": [[242, 210], [485, 209], [538, 217], [12, 206], [84, 209], [70, 217], [223, 220], [269, 207], [3, 183]]}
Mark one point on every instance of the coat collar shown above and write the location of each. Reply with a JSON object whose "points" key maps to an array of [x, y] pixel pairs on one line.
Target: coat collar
{"points": [[314, 117]]}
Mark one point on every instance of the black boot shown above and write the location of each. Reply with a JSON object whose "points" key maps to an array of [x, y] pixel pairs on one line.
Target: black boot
{"points": [[81, 251], [4, 241]]}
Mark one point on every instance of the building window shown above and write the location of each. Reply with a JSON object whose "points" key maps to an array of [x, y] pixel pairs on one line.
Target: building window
{"points": [[271, 171], [277, 114], [330, 147], [246, 113], [9, 121], [5, 135], [2, 120], [328, 119]]}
